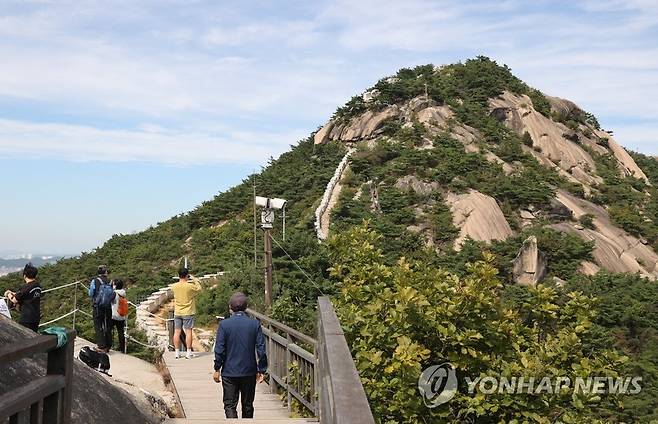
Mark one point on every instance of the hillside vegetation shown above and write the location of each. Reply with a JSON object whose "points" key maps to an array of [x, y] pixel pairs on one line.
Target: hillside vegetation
{"points": [[454, 173]]}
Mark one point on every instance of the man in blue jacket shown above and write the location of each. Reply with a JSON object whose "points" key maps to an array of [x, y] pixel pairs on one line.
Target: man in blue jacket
{"points": [[239, 340]]}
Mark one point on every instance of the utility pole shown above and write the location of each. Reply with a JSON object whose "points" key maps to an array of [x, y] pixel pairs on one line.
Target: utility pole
{"points": [[255, 237], [268, 268], [267, 221]]}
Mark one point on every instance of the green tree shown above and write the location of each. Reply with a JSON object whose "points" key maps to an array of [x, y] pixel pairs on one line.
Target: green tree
{"points": [[402, 318]]}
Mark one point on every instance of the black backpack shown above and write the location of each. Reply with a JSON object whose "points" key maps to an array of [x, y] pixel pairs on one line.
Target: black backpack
{"points": [[97, 360]]}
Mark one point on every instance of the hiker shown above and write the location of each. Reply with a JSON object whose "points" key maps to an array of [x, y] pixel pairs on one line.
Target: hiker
{"points": [[185, 292], [239, 340], [102, 295], [28, 298], [119, 312]]}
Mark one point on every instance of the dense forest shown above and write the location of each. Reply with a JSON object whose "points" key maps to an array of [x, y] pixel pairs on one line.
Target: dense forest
{"points": [[397, 291]]}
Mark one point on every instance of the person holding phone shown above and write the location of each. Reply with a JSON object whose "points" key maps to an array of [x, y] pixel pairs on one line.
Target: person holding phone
{"points": [[185, 292]]}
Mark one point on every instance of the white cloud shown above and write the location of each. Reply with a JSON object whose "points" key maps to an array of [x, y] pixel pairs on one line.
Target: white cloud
{"points": [[233, 66], [149, 143]]}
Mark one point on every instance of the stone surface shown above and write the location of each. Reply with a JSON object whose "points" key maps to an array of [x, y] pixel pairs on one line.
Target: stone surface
{"points": [[615, 250], [530, 263], [411, 182], [519, 115], [588, 268], [95, 399], [626, 163], [434, 115], [139, 378], [322, 136], [364, 125], [478, 216]]}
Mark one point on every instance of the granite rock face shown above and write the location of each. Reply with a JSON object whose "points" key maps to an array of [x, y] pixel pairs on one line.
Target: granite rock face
{"points": [[550, 138], [615, 250], [478, 216], [530, 263], [95, 400]]}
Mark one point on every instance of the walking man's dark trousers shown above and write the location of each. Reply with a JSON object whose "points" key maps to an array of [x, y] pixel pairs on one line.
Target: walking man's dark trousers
{"points": [[239, 340]]}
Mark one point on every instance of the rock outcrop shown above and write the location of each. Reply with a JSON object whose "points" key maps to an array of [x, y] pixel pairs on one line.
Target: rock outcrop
{"points": [[549, 137], [360, 127], [530, 263], [141, 380], [95, 400], [615, 250], [411, 182], [478, 216], [627, 165]]}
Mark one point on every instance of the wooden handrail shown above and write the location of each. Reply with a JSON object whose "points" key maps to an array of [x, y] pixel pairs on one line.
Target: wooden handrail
{"points": [[291, 368], [264, 319], [45, 399], [327, 382], [26, 347], [342, 397]]}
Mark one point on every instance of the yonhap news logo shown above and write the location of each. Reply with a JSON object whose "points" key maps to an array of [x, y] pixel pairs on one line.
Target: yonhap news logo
{"points": [[438, 384]]}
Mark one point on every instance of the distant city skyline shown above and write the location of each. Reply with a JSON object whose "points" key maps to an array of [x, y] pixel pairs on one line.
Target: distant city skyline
{"points": [[117, 115]]}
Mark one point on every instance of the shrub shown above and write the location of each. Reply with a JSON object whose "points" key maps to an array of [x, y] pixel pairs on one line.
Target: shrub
{"points": [[400, 319], [587, 221]]}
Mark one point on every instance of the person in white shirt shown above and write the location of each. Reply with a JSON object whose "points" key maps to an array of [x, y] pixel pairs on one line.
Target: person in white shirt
{"points": [[118, 320]]}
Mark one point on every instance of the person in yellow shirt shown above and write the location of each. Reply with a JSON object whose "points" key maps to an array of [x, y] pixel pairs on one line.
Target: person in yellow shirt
{"points": [[185, 292]]}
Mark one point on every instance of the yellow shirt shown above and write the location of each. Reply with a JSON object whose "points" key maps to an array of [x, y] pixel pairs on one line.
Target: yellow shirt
{"points": [[185, 293]]}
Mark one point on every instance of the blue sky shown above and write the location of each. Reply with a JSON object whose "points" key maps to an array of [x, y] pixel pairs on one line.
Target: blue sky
{"points": [[115, 115]]}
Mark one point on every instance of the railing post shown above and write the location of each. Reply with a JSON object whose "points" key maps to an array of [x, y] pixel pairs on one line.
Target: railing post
{"points": [[170, 326], [57, 406], [75, 302], [271, 359], [287, 365]]}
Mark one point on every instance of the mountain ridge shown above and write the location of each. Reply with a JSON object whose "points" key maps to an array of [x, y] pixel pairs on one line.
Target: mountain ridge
{"points": [[448, 164]]}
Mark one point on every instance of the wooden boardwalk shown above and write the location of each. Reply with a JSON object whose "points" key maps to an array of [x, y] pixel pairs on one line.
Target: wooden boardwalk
{"points": [[201, 397]]}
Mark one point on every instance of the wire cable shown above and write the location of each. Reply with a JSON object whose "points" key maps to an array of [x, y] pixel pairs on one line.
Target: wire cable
{"points": [[57, 319], [297, 265], [60, 287]]}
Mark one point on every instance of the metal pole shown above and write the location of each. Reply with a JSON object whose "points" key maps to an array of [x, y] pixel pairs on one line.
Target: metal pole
{"points": [[75, 302], [125, 332], [255, 235], [284, 223], [268, 270]]}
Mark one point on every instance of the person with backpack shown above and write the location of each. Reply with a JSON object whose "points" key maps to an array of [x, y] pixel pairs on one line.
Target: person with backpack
{"points": [[28, 298], [102, 295], [119, 313]]}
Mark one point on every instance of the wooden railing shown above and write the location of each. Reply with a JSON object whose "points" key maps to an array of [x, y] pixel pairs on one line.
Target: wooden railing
{"points": [[342, 398], [44, 399], [325, 381], [291, 366]]}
